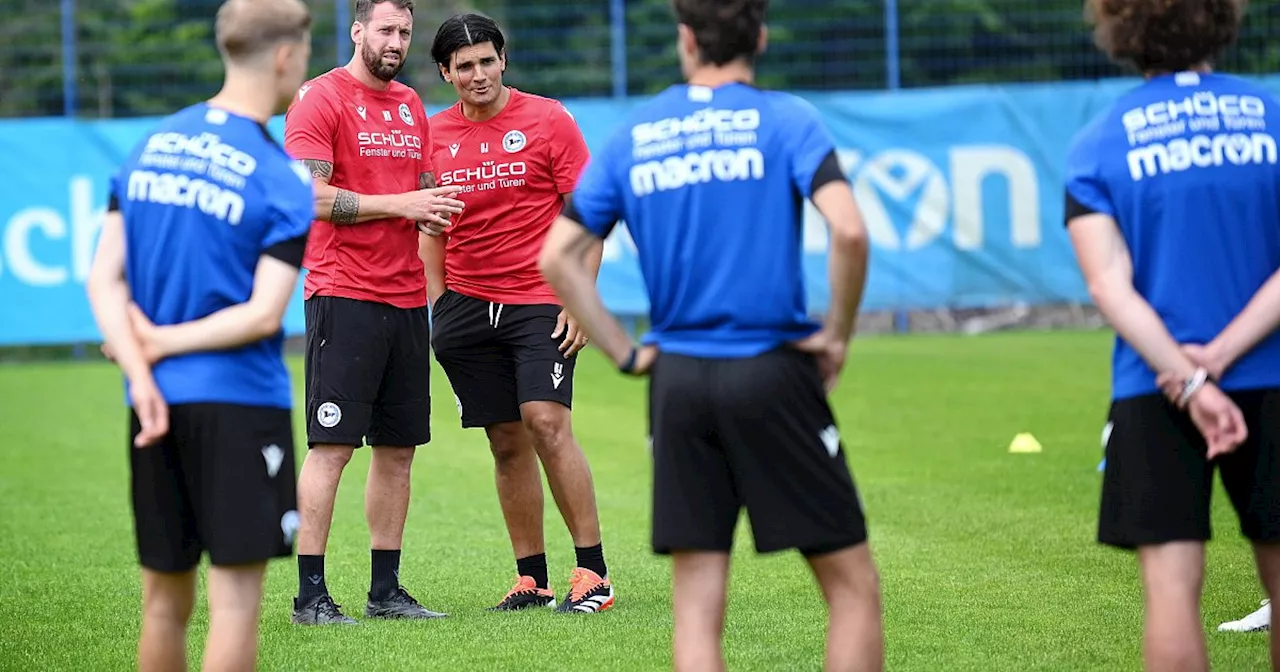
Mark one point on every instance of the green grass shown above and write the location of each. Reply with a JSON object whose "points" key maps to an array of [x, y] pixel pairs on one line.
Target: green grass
{"points": [[987, 559]]}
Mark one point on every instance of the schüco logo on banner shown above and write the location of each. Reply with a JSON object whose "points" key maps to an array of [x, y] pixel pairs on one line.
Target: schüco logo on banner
{"points": [[39, 247], [908, 202]]}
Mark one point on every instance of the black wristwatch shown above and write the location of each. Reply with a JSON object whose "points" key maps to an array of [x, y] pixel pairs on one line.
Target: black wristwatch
{"points": [[628, 366]]}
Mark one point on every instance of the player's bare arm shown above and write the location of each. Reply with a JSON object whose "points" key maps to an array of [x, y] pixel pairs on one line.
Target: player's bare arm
{"points": [[574, 337], [848, 257], [847, 271], [320, 170], [109, 298], [1108, 270], [1260, 317], [346, 207], [431, 246], [427, 182], [594, 257], [258, 318], [431, 251], [846, 267], [564, 263]]}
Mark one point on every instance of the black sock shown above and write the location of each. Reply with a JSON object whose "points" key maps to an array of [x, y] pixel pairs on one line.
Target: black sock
{"points": [[311, 578], [386, 574], [592, 558], [534, 566]]}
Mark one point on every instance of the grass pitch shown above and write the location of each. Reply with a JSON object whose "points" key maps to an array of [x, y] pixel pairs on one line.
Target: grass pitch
{"points": [[987, 558]]}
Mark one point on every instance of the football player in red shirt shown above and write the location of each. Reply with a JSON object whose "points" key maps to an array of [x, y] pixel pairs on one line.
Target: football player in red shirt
{"points": [[365, 137], [500, 333]]}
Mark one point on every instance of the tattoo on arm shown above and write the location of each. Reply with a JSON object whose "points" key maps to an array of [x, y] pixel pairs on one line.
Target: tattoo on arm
{"points": [[427, 181], [321, 170], [346, 207]]}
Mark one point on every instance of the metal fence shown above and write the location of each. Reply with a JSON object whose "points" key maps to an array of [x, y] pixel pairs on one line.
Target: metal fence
{"points": [[119, 58]]}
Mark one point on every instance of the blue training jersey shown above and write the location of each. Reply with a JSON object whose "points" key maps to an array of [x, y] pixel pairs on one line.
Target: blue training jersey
{"points": [[1187, 165], [711, 184], [203, 197]]}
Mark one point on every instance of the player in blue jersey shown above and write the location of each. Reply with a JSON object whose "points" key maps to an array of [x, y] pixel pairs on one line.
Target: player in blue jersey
{"points": [[1173, 206], [205, 232], [710, 177]]}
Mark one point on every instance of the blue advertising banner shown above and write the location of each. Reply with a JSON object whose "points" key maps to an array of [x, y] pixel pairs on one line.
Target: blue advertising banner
{"points": [[961, 189]]}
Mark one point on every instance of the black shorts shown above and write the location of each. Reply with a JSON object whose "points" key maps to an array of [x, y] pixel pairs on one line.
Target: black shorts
{"points": [[499, 356], [754, 432], [368, 373], [1157, 484], [221, 481]]}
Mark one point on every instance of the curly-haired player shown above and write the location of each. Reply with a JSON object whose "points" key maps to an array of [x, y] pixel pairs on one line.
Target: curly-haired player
{"points": [[1173, 206]]}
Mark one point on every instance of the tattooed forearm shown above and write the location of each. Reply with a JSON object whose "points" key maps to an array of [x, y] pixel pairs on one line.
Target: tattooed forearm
{"points": [[321, 170], [427, 181], [346, 207]]}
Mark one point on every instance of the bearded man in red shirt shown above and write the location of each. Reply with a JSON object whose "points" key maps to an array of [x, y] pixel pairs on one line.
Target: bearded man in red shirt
{"points": [[499, 331], [365, 138]]}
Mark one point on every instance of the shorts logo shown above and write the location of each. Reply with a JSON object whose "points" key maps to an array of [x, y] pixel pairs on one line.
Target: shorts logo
{"points": [[458, 401], [831, 439], [1106, 440], [274, 457], [557, 375], [513, 141], [289, 526], [329, 414], [405, 115]]}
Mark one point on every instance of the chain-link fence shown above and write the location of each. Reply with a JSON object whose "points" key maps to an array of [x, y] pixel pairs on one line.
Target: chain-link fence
{"points": [[118, 58]]}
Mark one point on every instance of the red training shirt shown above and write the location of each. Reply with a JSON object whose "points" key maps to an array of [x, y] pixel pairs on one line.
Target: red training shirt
{"points": [[514, 169], [375, 140]]}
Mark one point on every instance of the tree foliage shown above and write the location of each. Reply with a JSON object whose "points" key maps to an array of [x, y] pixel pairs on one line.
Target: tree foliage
{"points": [[146, 57]]}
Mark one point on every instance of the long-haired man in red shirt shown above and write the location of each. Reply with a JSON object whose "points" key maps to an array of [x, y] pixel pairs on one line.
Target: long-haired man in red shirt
{"points": [[500, 333]]}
